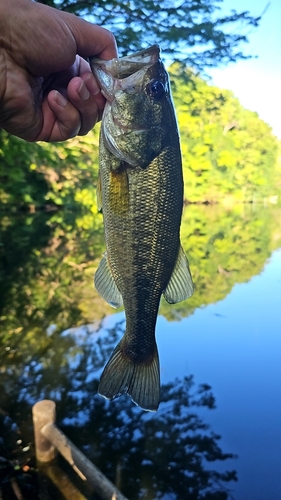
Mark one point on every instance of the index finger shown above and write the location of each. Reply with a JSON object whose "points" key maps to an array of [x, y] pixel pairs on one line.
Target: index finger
{"points": [[91, 39]]}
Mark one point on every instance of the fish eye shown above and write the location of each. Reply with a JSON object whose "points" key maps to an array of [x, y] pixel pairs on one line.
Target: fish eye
{"points": [[155, 89]]}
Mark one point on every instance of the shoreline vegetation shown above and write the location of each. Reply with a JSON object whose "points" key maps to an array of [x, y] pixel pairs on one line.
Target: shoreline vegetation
{"points": [[229, 156]]}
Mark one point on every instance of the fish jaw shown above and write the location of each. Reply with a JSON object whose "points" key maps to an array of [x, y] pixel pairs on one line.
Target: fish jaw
{"points": [[124, 73], [125, 66], [133, 123]]}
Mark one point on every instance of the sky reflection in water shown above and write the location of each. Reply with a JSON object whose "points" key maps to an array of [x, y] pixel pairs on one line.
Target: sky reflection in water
{"points": [[233, 345]]}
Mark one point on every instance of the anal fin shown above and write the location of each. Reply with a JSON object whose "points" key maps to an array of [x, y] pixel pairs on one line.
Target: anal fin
{"points": [[105, 284], [180, 286]]}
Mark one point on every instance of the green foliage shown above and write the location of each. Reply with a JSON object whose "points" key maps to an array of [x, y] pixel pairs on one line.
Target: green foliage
{"points": [[229, 154], [72, 171], [21, 184], [277, 174], [62, 174], [191, 31]]}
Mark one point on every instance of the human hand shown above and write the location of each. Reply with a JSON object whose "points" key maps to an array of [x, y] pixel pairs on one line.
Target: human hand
{"points": [[47, 90]]}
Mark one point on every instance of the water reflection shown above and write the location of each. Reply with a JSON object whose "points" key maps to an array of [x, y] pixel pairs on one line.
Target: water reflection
{"points": [[149, 456], [224, 247], [47, 262]]}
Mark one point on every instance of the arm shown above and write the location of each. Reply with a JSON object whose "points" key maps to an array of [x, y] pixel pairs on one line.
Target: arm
{"points": [[47, 91]]}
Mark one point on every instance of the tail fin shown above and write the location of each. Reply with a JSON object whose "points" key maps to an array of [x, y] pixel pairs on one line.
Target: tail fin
{"points": [[141, 381]]}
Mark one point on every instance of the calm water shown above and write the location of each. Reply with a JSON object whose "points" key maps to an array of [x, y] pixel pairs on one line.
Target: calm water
{"points": [[217, 433]]}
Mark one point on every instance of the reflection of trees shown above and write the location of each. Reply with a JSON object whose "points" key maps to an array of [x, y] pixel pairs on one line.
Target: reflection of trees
{"points": [[164, 453], [147, 455], [47, 264], [224, 247], [20, 237], [46, 271]]}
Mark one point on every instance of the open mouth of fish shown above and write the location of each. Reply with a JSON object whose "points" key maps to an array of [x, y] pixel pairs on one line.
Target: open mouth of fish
{"points": [[128, 65], [117, 76], [125, 73]]}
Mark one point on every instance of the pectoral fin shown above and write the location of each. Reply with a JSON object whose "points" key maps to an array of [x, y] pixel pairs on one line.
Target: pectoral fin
{"points": [[105, 284], [119, 191], [180, 286]]}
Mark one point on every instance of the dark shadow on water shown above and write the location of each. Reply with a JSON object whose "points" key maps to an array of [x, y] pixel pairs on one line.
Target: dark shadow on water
{"points": [[147, 455]]}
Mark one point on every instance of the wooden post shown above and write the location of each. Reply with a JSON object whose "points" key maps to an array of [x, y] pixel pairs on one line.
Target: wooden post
{"points": [[48, 439], [84, 468], [43, 412]]}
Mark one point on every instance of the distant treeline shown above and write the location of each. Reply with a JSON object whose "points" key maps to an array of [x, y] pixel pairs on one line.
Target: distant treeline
{"points": [[229, 155]]}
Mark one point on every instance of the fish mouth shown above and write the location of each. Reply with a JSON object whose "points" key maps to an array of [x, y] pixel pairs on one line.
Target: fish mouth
{"points": [[128, 65], [117, 77]]}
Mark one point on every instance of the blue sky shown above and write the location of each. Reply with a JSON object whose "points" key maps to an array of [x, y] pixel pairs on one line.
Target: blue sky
{"points": [[257, 82]]}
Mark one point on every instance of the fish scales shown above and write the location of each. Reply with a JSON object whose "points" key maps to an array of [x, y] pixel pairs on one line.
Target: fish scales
{"points": [[142, 207], [144, 241]]}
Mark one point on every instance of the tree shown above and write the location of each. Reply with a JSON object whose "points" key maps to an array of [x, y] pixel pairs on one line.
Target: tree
{"points": [[228, 152], [38, 175], [191, 31]]}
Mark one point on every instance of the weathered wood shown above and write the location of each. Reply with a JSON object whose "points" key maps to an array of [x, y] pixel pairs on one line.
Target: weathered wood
{"points": [[43, 412], [49, 439], [61, 480], [84, 468]]}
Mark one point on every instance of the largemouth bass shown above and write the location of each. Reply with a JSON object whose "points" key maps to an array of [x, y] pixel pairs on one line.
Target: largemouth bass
{"points": [[140, 192]]}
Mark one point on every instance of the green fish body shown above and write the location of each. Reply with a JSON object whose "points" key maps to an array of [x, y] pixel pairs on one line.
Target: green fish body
{"points": [[141, 197]]}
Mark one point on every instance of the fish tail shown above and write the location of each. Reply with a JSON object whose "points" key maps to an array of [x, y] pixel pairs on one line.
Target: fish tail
{"points": [[140, 380]]}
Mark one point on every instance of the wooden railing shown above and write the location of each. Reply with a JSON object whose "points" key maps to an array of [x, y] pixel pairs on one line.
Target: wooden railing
{"points": [[49, 440]]}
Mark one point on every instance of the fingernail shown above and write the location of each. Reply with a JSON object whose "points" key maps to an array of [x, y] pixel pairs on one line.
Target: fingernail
{"points": [[60, 99], [92, 84], [83, 92]]}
